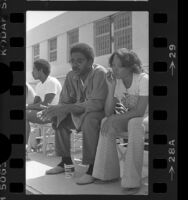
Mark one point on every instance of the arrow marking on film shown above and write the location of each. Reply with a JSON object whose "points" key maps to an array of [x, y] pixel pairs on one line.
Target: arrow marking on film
{"points": [[172, 67], [172, 172]]}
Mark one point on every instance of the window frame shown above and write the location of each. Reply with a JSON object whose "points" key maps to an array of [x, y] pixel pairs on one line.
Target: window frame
{"points": [[51, 51], [69, 45], [127, 28], [36, 56], [114, 32], [102, 35]]}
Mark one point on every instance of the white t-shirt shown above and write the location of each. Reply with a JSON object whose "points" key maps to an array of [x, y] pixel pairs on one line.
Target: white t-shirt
{"points": [[139, 87], [51, 85]]}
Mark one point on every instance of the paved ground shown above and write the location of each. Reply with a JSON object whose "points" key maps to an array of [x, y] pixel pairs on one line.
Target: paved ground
{"points": [[39, 183]]}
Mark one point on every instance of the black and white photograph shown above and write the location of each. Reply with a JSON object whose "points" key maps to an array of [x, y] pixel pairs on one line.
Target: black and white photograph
{"points": [[87, 91]]}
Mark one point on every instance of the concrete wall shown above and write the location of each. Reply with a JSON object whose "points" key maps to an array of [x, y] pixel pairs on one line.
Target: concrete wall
{"points": [[59, 26], [63, 23], [140, 35], [84, 20]]}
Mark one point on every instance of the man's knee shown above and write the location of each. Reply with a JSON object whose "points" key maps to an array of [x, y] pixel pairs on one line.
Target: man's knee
{"points": [[28, 115], [66, 123], [135, 123], [146, 123], [103, 120], [92, 119]]}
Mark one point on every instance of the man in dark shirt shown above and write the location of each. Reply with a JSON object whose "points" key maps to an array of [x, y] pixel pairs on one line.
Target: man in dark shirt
{"points": [[81, 105]]}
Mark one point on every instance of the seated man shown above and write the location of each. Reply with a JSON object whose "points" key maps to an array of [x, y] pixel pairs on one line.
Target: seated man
{"points": [[82, 102], [47, 92], [128, 86]]}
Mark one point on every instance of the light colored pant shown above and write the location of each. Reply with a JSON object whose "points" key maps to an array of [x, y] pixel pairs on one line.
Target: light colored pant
{"points": [[106, 166]]}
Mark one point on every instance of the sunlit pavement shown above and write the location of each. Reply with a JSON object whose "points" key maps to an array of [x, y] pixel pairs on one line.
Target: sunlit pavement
{"points": [[39, 183]]}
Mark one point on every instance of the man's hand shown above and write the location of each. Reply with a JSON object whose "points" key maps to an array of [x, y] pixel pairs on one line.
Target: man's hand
{"points": [[35, 107], [52, 111], [120, 108], [111, 80]]}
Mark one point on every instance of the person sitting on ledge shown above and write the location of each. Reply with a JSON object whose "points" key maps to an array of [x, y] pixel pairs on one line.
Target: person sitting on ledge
{"points": [[126, 108], [81, 106], [47, 92]]}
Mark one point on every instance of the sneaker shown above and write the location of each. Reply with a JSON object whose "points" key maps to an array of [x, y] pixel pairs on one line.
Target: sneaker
{"points": [[56, 170], [130, 191], [129, 186]]}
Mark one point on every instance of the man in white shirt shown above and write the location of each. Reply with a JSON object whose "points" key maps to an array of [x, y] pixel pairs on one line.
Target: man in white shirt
{"points": [[47, 92]]}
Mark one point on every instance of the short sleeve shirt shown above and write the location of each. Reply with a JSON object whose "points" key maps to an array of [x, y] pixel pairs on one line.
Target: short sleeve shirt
{"points": [[129, 96], [51, 85]]}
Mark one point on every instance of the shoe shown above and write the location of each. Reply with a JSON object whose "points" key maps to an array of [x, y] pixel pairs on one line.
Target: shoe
{"points": [[130, 191], [85, 179], [99, 181], [55, 170], [129, 186]]}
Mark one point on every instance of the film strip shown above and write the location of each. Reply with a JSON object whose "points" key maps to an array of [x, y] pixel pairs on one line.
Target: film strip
{"points": [[163, 92]]}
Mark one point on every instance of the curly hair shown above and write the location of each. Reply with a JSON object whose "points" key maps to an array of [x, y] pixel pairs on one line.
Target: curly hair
{"points": [[44, 65], [85, 49], [128, 59]]}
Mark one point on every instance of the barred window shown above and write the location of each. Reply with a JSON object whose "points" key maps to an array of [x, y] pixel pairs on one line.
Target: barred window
{"points": [[123, 31], [113, 32], [52, 49], [36, 52], [102, 37], [72, 39]]}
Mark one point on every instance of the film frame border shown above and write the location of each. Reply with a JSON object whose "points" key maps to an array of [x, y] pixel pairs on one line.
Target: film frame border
{"points": [[162, 49]]}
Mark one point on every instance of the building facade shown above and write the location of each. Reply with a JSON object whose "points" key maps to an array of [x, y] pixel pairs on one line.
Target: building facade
{"points": [[105, 31]]}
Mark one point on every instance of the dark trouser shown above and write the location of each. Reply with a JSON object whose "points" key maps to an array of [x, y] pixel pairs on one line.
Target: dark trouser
{"points": [[90, 129]]}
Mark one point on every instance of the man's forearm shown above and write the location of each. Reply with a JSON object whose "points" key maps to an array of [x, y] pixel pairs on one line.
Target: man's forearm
{"points": [[36, 106], [130, 114], [109, 104], [72, 108], [76, 109]]}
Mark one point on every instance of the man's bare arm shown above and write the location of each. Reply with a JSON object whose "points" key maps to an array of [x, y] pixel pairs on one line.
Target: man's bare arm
{"points": [[37, 101], [39, 105], [48, 99]]}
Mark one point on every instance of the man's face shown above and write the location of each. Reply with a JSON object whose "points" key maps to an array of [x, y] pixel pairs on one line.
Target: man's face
{"points": [[35, 73], [117, 68], [79, 63]]}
